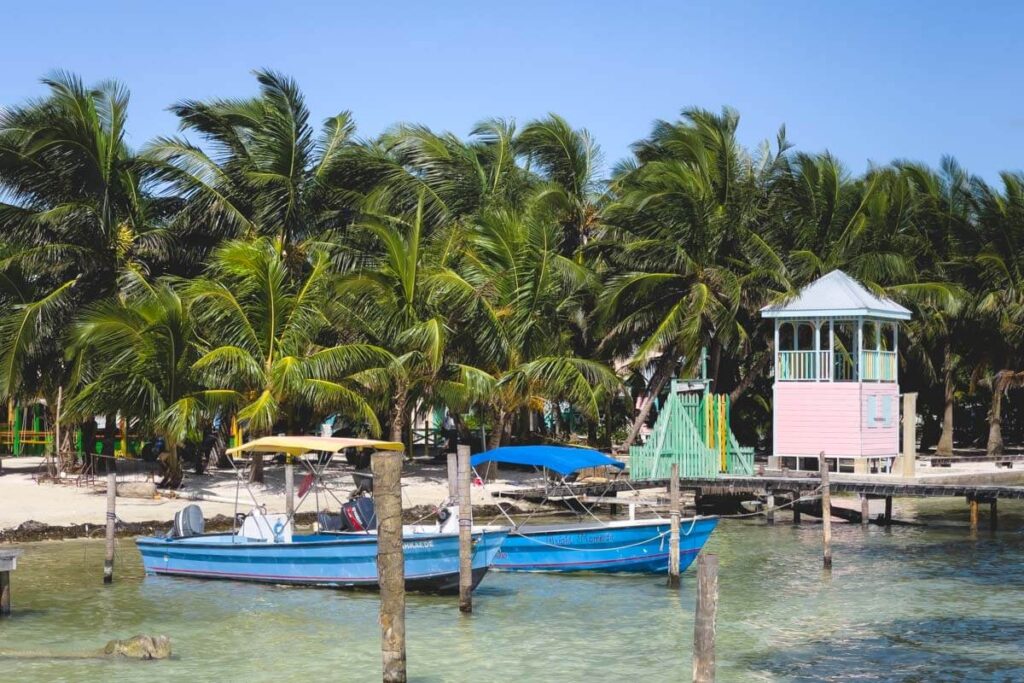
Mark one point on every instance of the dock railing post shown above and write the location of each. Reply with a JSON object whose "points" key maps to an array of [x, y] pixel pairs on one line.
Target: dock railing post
{"points": [[387, 503], [826, 512], [704, 623], [465, 533], [909, 435], [108, 561], [673, 539], [289, 488]]}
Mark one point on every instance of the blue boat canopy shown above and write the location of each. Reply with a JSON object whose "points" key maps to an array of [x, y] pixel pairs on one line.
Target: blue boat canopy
{"points": [[562, 459]]}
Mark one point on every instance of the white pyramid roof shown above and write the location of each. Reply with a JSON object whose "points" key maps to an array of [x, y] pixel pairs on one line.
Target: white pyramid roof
{"points": [[833, 295]]}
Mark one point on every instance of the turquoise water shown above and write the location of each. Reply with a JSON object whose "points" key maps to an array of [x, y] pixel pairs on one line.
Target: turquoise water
{"points": [[905, 604]]}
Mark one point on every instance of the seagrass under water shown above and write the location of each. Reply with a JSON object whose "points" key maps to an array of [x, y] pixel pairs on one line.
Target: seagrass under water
{"points": [[909, 604]]}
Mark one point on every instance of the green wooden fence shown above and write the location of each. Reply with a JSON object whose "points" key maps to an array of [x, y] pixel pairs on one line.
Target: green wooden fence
{"points": [[693, 432]]}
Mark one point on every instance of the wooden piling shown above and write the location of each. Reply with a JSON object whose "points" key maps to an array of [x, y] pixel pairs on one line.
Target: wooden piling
{"points": [[993, 521], [387, 503], [465, 532], [826, 512], [865, 510], [973, 502], [108, 562], [704, 623], [888, 510], [673, 542], [5, 593], [795, 506], [769, 509], [289, 487], [453, 476]]}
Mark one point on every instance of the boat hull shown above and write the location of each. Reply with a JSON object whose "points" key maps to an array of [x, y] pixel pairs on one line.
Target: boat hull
{"points": [[336, 560], [640, 546]]}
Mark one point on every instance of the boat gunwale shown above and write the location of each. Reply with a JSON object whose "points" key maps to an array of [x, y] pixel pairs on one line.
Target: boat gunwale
{"points": [[528, 529], [348, 540]]}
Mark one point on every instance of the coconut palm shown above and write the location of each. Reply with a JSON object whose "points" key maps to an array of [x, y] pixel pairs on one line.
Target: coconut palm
{"points": [[139, 352], [76, 211], [519, 298], [268, 347], [260, 170], [388, 300], [1000, 266], [688, 268]]}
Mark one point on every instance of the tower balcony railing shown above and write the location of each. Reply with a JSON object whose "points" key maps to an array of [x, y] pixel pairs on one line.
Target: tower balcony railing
{"points": [[830, 366], [878, 366]]}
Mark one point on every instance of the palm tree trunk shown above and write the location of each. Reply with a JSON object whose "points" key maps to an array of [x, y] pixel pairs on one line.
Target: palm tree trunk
{"points": [[945, 446], [498, 432], [398, 417], [752, 376], [995, 418], [661, 375]]}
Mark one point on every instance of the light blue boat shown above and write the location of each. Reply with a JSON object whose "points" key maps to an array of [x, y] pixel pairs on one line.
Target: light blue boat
{"points": [[634, 545], [265, 548], [619, 546], [324, 559]]}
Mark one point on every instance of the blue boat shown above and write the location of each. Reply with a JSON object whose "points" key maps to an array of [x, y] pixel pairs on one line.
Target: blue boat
{"points": [[634, 545], [265, 548], [344, 560]]}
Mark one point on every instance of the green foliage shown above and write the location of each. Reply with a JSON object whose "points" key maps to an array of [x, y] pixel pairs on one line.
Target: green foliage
{"points": [[258, 266]]}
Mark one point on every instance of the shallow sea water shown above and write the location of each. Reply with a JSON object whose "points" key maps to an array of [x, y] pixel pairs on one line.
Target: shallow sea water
{"points": [[914, 604]]}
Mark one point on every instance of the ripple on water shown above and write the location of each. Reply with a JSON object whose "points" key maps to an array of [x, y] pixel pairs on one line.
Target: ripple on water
{"points": [[905, 604]]}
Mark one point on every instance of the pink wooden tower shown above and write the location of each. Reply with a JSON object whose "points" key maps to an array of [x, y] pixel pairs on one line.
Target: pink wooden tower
{"points": [[836, 386]]}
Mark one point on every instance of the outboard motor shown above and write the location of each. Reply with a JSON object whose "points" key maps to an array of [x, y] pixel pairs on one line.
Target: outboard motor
{"points": [[188, 522], [448, 519], [358, 515]]}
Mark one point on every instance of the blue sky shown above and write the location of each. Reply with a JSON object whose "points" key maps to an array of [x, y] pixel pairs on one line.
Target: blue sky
{"points": [[870, 81]]}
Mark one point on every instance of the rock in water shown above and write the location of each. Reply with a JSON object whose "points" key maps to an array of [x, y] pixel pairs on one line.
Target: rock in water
{"points": [[140, 647]]}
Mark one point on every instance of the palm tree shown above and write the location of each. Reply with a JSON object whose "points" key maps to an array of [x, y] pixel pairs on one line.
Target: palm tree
{"points": [[139, 352], [1000, 265], [261, 171], [388, 300], [268, 349], [76, 211], [518, 296], [944, 237], [687, 269]]}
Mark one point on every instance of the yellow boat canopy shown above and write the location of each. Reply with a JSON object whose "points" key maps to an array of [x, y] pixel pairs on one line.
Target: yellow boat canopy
{"points": [[297, 445]]}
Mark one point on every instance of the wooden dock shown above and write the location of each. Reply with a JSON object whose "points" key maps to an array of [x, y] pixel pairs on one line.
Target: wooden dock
{"points": [[728, 485]]}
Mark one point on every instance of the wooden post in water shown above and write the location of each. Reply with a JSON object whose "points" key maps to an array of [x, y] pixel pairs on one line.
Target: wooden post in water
{"points": [[865, 510], [769, 508], [973, 502], [8, 563], [289, 487], [888, 510], [673, 538], [387, 503], [826, 512], [993, 522], [796, 507], [108, 562], [453, 476], [704, 623], [465, 532]]}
